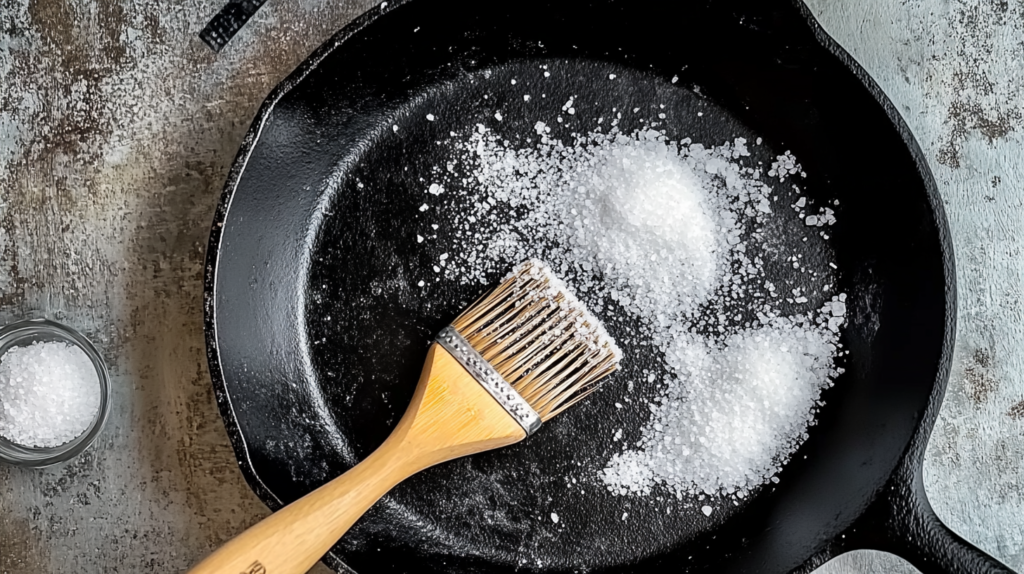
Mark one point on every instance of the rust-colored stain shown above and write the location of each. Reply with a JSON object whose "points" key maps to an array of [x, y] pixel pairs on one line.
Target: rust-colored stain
{"points": [[1016, 412], [979, 383], [980, 102], [22, 549]]}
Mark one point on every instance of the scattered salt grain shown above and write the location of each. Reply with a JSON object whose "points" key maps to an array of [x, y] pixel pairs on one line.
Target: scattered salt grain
{"points": [[611, 76], [554, 518], [430, 117], [706, 510], [784, 166], [49, 394], [675, 79], [424, 207]]}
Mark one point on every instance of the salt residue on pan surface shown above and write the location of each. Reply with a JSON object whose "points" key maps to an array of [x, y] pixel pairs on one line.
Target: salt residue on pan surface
{"points": [[670, 235]]}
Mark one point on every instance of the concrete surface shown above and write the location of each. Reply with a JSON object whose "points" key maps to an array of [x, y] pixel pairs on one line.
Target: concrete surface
{"points": [[117, 127]]}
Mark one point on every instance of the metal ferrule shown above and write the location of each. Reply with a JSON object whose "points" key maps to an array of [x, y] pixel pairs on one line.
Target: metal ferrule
{"points": [[489, 379]]}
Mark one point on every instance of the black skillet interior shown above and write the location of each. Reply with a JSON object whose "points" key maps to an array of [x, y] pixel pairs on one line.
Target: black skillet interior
{"points": [[317, 328]]}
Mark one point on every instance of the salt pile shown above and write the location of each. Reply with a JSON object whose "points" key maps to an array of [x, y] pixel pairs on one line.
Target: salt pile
{"points": [[667, 235], [720, 425], [626, 221], [49, 394]]}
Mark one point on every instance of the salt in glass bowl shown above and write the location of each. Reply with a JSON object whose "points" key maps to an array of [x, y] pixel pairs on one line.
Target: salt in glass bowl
{"points": [[42, 330]]}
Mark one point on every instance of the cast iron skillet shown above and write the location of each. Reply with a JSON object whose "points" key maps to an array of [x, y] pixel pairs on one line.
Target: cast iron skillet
{"points": [[316, 331]]}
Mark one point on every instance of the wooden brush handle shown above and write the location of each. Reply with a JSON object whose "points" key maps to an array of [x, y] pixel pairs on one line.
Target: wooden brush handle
{"points": [[293, 539], [450, 416]]}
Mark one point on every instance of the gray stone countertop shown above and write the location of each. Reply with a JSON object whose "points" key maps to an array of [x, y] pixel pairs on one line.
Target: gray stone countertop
{"points": [[117, 127]]}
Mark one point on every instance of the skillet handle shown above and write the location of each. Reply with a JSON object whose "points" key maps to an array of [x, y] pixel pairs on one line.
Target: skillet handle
{"points": [[901, 521]]}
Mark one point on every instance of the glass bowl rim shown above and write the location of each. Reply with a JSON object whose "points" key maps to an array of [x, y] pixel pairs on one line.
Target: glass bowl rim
{"points": [[35, 457]]}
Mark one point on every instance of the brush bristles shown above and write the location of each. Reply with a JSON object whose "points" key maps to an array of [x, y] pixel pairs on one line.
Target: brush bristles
{"points": [[540, 338]]}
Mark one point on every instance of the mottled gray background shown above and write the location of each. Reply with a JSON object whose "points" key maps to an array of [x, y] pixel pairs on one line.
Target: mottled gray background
{"points": [[117, 127]]}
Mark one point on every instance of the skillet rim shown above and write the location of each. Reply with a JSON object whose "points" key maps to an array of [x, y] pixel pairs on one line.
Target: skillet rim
{"points": [[916, 446]]}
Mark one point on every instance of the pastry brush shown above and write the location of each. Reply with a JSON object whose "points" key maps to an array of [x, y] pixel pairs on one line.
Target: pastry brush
{"points": [[520, 355]]}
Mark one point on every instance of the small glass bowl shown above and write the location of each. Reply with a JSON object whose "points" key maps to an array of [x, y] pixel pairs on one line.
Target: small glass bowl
{"points": [[41, 330]]}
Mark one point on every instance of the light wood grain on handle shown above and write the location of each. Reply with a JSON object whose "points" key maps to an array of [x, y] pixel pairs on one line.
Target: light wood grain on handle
{"points": [[450, 416]]}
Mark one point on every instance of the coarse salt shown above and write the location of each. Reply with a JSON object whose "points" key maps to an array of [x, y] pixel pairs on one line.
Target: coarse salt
{"points": [[49, 394], [659, 231], [722, 425]]}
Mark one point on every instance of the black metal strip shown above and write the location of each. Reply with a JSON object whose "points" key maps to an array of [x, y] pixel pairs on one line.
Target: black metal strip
{"points": [[228, 22]]}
